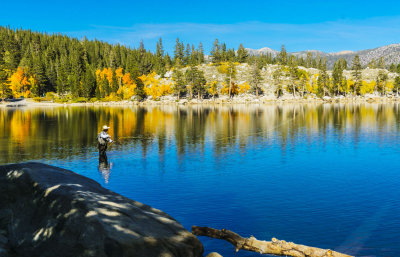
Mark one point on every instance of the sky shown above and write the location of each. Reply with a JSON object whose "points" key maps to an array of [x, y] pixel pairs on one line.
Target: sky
{"points": [[329, 26]]}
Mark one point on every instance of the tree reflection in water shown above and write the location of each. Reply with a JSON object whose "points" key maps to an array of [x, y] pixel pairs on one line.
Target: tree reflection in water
{"points": [[62, 132]]}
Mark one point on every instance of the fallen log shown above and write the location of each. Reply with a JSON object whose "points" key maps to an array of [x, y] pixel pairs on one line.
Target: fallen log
{"points": [[274, 247]]}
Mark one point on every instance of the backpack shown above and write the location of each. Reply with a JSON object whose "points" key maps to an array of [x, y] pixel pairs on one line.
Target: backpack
{"points": [[101, 140]]}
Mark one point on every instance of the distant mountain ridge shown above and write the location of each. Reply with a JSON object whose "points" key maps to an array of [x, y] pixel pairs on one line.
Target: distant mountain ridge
{"points": [[390, 53]]}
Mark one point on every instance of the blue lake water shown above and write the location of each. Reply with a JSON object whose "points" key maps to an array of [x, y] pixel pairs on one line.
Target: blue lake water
{"points": [[323, 175]]}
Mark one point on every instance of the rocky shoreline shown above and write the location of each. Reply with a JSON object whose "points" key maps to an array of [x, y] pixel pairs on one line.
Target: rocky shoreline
{"points": [[246, 99], [48, 211]]}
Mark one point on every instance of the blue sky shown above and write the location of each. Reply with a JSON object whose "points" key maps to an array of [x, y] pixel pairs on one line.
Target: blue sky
{"points": [[322, 25]]}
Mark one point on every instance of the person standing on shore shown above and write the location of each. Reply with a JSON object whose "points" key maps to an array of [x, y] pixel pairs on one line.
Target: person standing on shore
{"points": [[103, 138]]}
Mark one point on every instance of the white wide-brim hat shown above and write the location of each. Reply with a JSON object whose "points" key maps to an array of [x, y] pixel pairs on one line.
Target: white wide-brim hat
{"points": [[105, 127]]}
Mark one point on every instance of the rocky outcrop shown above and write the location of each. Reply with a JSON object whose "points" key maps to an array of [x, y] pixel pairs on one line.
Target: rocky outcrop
{"points": [[49, 211]]}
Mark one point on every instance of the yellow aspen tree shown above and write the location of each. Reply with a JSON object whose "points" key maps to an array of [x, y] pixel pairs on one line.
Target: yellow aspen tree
{"points": [[119, 75], [212, 88], [367, 87], [128, 87], [19, 83], [243, 88]]}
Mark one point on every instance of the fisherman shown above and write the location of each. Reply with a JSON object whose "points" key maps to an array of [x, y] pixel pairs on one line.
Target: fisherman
{"points": [[103, 138]]}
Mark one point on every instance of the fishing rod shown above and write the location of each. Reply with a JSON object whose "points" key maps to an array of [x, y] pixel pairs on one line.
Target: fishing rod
{"points": [[133, 137]]}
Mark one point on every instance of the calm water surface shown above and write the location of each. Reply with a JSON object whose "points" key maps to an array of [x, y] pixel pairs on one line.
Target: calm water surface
{"points": [[320, 175]]}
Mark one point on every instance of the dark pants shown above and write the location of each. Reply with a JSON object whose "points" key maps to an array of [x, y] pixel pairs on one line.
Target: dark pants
{"points": [[102, 153]]}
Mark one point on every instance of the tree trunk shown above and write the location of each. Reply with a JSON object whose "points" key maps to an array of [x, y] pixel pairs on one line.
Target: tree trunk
{"points": [[275, 246], [384, 88], [230, 86]]}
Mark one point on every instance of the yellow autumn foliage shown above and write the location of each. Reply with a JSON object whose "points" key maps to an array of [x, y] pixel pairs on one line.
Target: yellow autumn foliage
{"points": [[112, 97], [313, 86], [127, 89], [154, 86], [20, 83], [367, 87], [225, 89], [212, 87], [223, 67], [106, 79], [349, 85], [243, 88]]}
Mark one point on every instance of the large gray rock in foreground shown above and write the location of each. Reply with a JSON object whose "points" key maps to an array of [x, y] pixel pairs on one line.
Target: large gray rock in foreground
{"points": [[48, 211]]}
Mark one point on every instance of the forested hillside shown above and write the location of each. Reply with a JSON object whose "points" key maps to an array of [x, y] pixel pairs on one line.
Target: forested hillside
{"points": [[36, 64]]}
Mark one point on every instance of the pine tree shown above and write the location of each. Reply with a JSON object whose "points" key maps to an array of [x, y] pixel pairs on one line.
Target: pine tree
{"points": [[224, 53], [293, 73], [381, 63], [89, 83], [194, 57], [309, 60], [323, 79], [230, 76], [381, 81], [188, 55], [277, 77], [159, 66], [337, 76], [62, 76], [196, 81], [372, 64], [4, 88], [392, 67], [215, 52], [168, 62], [12, 54], [200, 53], [356, 67], [5, 91], [141, 47], [180, 86], [283, 56], [256, 78], [77, 71], [178, 53], [242, 54], [40, 75], [230, 55], [396, 85]]}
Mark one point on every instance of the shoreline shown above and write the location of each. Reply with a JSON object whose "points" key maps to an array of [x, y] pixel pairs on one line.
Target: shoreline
{"points": [[29, 102]]}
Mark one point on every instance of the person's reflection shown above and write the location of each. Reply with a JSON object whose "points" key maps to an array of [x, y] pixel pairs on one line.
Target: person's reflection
{"points": [[104, 167]]}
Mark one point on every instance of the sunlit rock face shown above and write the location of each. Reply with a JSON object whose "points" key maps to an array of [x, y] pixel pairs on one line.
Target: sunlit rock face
{"points": [[48, 211]]}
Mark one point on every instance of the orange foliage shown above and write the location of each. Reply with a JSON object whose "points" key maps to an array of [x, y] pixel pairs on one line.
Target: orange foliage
{"points": [[119, 73], [244, 88], [20, 83], [127, 90], [106, 78]]}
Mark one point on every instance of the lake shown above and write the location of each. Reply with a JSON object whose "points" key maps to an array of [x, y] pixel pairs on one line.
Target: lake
{"points": [[323, 175]]}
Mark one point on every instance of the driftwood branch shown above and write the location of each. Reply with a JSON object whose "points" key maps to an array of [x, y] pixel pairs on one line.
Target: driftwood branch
{"points": [[275, 246]]}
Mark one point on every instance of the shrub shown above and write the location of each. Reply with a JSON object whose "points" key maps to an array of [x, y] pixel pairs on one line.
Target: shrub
{"points": [[79, 100]]}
